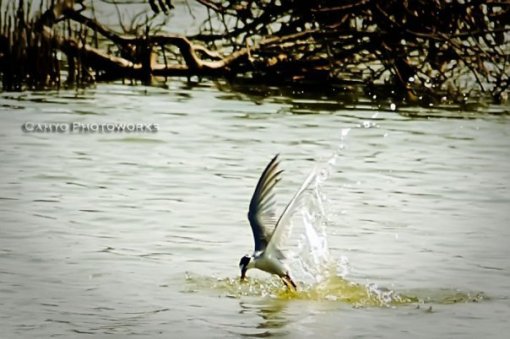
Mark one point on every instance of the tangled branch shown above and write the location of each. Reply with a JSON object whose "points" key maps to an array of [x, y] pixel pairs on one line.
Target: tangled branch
{"points": [[418, 48]]}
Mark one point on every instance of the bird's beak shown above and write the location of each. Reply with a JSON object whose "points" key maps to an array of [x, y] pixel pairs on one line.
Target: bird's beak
{"points": [[243, 274]]}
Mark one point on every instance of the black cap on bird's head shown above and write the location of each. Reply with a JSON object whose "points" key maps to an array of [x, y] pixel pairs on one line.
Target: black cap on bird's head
{"points": [[243, 265]]}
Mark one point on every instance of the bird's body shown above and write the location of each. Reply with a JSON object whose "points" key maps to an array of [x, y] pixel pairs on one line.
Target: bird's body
{"points": [[270, 264], [268, 255]]}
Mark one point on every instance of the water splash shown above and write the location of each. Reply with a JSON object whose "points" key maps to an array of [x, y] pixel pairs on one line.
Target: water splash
{"points": [[309, 257], [333, 289]]}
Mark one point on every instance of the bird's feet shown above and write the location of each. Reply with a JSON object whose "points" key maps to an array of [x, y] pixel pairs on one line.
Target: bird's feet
{"points": [[287, 280]]}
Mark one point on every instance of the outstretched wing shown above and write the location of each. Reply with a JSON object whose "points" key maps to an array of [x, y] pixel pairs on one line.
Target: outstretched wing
{"points": [[284, 225], [260, 213]]}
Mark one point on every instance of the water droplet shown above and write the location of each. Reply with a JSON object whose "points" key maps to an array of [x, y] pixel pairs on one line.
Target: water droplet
{"points": [[344, 132]]}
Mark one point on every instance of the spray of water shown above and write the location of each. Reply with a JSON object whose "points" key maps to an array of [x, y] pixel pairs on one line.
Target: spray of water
{"points": [[311, 262], [309, 257]]}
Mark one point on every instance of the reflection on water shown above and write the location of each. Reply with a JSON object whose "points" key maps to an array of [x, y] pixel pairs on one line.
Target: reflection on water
{"points": [[97, 231], [272, 318]]}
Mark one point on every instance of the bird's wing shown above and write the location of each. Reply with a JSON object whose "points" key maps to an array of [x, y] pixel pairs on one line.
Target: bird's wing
{"points": [[260, 213], [283, 227]]}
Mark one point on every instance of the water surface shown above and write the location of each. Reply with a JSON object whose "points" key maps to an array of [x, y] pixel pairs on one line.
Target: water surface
{"points": [[140, 234]]}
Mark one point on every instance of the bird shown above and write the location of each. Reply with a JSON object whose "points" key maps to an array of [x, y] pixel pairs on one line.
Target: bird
{"points": [[267, 255]]}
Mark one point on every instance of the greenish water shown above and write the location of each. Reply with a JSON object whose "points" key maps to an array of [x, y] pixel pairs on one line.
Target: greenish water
{"points": [[140, 234]]}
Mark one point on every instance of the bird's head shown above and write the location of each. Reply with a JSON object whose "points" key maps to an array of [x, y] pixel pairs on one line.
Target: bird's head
{"points": [[243, 265]]}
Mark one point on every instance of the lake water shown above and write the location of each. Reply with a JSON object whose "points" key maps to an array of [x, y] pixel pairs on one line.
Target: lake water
{"points": [[140, 234]]}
